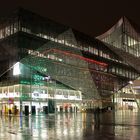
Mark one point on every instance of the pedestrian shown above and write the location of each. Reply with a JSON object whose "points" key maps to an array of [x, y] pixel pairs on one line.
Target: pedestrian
{"points": [[97, 117]]}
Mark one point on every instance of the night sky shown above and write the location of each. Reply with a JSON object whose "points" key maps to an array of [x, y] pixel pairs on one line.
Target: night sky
{"points": [[92, 17]]}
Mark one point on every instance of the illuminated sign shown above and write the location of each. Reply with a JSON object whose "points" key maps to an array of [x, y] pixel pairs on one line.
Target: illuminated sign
{"points": [[38, 95], [9, 95]]}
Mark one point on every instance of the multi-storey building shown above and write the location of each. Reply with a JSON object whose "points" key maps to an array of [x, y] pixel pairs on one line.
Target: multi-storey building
{"points": [[46, 66], [124, 40]]}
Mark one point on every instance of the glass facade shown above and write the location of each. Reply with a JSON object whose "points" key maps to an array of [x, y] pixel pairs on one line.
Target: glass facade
{"points": [[123, 36], [11, 96], [55, 68], [128, 98], [124, 40]]}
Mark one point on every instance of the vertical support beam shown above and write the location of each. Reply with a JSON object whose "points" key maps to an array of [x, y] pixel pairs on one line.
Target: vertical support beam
{"points": [[20, 99], [131, 89]]}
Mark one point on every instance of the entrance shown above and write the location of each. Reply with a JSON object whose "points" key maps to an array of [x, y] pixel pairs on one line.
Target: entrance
{"points": [[33, 110], [26, 110]]}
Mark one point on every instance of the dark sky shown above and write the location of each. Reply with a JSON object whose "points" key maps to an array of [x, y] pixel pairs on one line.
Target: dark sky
{"points": [[92, 17]]}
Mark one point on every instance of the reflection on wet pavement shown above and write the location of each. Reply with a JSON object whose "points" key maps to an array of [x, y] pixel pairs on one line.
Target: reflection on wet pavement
{"points": [[121, 125]]}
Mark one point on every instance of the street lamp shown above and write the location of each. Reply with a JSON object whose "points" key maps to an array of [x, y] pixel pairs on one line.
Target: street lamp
{"points": [[130, 82]]}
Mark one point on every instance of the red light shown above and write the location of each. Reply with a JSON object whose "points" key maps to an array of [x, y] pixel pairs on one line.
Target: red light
{"points": [[81, 57]]}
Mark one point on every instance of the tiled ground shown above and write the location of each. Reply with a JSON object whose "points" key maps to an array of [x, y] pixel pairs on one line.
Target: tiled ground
{"points": [[121, 125]]}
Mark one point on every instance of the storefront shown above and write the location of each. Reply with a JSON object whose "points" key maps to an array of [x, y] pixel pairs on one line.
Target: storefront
{"points": [[38, 100], [126, 101]]}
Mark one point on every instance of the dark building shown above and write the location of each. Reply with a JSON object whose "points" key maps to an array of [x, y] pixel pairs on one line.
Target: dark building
{"points": [[46, 66]]}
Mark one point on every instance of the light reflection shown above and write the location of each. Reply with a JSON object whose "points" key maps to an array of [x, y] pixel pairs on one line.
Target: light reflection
{"points": [[68, 126]]}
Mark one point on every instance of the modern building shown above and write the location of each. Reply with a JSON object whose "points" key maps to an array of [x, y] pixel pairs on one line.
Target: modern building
{"points": [[124, 39], [49, 67]]}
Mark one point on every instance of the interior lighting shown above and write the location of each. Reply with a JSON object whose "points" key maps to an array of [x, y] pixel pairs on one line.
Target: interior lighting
{"points": [[16, 69]]}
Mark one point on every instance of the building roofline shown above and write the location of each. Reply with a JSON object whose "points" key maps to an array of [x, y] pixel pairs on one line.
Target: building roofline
{"points": [[111, 30]]}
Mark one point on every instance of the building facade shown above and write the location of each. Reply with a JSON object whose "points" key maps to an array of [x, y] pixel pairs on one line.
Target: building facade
{"points": [[124, 39], [49, 67]]}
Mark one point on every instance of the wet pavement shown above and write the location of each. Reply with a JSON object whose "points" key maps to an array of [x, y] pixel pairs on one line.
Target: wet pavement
{"points": [[121, 125]]}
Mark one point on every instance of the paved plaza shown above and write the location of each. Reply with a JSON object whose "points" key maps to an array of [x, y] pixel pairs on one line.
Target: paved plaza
{"points": [[121, 125]]}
